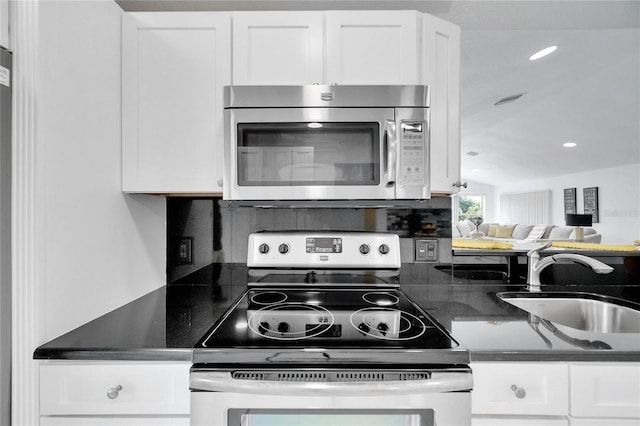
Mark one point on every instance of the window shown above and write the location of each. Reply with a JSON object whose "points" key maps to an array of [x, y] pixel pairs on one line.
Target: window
{"points": [[469, 207]]}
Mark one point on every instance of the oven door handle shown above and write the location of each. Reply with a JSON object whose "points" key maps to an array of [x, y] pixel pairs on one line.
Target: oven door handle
{"points": [[439, 382], [390, 151]]}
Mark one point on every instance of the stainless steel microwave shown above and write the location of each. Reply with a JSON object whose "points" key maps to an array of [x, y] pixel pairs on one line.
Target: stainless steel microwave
{"points": [[320, 142]]}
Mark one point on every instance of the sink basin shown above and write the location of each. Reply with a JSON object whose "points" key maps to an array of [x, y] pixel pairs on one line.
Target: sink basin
{"points": [[583, 311]]}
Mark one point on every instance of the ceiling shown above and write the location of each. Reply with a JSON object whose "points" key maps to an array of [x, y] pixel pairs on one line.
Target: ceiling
{"points": [[587, 92]]}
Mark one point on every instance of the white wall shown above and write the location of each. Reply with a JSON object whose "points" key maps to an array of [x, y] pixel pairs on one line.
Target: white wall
{"points": [[618, 193], [102, 248]]}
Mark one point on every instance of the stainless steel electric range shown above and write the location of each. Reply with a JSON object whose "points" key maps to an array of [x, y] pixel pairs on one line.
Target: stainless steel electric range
{"points": [[324, 335]]}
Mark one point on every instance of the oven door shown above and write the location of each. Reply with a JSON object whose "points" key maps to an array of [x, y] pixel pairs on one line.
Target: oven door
{"points": [[358, 399], [310, 153]]}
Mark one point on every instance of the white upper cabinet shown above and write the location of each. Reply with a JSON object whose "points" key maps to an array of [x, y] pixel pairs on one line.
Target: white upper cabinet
{"points": [[174, 66], [373, 47], [441, 72], [278, 48], [335, 47]]}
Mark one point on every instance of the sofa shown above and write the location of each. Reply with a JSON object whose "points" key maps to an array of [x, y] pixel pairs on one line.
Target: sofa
{"points": [[522, 232]]}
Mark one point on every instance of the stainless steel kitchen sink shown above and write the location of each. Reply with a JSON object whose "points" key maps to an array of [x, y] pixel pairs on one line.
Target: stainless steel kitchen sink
{"points": [[583, 311]]}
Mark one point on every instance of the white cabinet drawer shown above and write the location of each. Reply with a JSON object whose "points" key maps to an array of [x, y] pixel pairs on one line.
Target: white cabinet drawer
{"points": [[605, 390], [603, 422], [518, 421], [92, 388], [114, 421], [520, 388]]}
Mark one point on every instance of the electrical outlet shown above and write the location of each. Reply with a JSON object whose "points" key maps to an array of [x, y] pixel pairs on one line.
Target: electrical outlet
{"points": [[426, 250], [185, 250]]}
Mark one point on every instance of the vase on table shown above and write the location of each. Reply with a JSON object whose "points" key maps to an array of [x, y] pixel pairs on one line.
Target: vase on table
{"points": [[477, 234]]}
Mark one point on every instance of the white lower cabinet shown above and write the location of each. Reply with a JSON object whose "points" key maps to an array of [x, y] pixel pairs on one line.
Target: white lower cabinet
{"points": [[114, 393], [604, 422], [520, 389], [518, 421], [556, 393], [113, 421], [605, 391]]}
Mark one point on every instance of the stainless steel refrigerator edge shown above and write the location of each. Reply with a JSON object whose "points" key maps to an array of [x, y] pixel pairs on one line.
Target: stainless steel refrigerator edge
{"points": [[5, 236]]}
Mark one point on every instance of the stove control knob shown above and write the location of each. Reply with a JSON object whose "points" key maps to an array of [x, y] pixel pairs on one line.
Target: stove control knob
{"points": [[383, 249], [364, 328], [283, 248], [383, 328], [283, 327], [365, 249], [263, 327], [263, 248]]}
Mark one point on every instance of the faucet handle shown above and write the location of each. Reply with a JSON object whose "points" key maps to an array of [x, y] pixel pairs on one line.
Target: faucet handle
{"points": [[536, 250]]}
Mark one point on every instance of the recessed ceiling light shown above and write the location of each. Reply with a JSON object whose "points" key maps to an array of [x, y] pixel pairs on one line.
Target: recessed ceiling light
{"points": [[475, 170], [544, 52], [569, 144]]}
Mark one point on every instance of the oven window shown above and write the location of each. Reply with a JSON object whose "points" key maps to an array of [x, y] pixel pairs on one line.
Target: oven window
{"points": [[293, 154], [333, 417]]}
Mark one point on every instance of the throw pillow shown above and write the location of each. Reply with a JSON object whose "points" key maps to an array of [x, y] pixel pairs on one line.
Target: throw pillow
{"points": [[504, 231], [520, 232], [536, 233], [492, 230], [547, 232], [561, 233], [465, 229]]}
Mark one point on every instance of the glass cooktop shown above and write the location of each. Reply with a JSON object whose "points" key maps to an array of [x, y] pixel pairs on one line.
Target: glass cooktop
{"points": [[285, 324]]}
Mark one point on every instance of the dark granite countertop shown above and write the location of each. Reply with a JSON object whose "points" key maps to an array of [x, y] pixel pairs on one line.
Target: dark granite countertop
{"points": [[162, 325], [166, 323]]}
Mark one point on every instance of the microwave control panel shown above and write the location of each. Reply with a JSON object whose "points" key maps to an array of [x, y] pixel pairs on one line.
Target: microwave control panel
{"points": [[413, 146]]}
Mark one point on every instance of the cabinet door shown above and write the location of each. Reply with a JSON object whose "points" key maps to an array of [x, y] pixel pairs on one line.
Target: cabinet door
{"points": [[117, 388], [174, 66], [520, 389], [605, 390], [603, 422], [278, 48], [373, 47], [518, 421], [441, 50], [114, 421]]}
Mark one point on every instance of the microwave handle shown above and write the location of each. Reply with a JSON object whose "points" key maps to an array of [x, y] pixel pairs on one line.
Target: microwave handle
{"points": [[391, 151]]}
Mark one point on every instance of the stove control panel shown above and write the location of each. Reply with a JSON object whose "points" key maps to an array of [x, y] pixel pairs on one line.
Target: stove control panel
{"points": [[324, 249]]}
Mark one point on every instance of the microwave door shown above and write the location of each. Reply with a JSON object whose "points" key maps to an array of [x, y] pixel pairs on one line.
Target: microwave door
{"points": [[309, 153]]}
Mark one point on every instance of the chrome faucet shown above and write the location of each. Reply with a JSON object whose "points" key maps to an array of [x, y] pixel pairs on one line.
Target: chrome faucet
{"points": [[536, 265]]}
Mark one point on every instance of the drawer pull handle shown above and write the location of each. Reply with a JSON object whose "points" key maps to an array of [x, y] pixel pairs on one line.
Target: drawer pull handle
{"points": [[520, 393], [114, 392]]}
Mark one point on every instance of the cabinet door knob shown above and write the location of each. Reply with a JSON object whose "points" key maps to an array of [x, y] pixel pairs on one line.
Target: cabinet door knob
{"points": [[220, 183], [459, 184], [520, 393], [114, 392]]}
